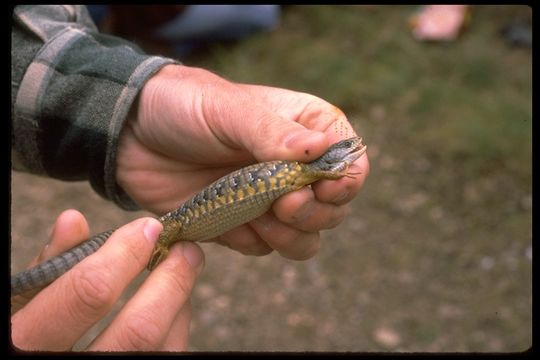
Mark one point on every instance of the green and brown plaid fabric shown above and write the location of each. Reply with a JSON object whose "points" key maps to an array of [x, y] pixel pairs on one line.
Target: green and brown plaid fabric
{"points": [[71, 90]]}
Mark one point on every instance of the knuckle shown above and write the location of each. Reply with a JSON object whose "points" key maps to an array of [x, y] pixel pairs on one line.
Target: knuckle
{"points": [[135, 248], [264, 123], [327, 216], [141, 333], [181, 284], [337, 217], [177, 280], [92, 292]]}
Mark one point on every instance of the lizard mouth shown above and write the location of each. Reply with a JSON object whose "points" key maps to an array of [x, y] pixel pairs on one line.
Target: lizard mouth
{"points": [[360, 148], [356, 152]]}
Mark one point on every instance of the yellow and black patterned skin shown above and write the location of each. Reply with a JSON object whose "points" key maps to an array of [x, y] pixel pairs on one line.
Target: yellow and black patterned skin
{"points": [[235, 199], [230, 201]]}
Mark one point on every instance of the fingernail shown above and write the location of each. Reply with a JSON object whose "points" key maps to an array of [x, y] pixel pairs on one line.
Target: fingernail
{"points": [[193, 254], [152, 229], [44, 252], [293, 140]]}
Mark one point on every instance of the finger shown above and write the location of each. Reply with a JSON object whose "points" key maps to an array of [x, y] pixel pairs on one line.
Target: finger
{"points": [[69, 230], [288, 241], [245, 240], [178, 336], [301, 210], [145, 321], [267, 135], [342, 191], [67, 308], [317, 114], [311, 111]]}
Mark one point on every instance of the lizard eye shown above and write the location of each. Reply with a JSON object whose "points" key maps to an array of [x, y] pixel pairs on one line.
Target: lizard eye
{"points": [[347, 143]]}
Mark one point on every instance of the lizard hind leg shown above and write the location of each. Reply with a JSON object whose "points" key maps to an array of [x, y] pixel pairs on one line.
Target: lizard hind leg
{"points": [[166, 238], [159, 254]]}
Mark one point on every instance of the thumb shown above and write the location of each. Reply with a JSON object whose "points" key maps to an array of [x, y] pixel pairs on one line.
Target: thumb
{"points": [[273, 137], [267, 136], [240, 119], [70, 229]]}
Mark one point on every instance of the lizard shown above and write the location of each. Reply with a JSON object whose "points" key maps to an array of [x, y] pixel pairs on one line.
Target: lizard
{"points": [[228, 202]]}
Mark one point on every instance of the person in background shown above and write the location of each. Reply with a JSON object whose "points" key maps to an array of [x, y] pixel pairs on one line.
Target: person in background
{"points": [[178, 30]]}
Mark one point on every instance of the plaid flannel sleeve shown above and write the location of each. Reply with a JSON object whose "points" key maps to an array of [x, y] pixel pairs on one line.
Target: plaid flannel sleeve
{"points": [[71, 91]]}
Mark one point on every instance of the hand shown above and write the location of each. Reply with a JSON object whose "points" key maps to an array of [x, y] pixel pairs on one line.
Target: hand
{"points": [[190, 127], [157, 317]]}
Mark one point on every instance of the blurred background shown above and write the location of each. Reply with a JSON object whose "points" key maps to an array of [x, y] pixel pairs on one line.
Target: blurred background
{"points": [[437, 252]]}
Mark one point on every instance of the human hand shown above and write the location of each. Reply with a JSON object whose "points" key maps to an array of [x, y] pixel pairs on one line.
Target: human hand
{"points": [[157, 317], [190, 127]]}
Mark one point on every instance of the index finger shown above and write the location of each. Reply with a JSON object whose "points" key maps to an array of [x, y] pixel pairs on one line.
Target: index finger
{"points": [[145, 322]]}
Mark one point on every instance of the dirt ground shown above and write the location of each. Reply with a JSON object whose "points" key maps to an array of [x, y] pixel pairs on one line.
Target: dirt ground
{"points": [[436, 255]]}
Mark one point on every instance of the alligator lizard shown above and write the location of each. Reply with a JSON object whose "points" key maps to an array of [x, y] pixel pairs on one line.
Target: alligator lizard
{"points": [[232, 200]]}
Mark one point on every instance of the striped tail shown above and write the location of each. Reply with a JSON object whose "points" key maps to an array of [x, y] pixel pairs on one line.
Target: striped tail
{"points": [[48, 271]]}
